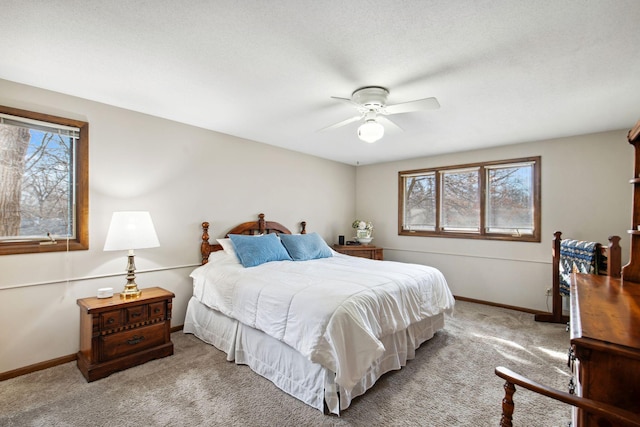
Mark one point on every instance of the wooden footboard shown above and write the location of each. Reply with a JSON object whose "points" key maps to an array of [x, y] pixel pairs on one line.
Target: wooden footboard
{"points": [[612, 253]]}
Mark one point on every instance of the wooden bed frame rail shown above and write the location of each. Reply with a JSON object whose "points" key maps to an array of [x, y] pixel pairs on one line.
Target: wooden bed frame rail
{"points": [[251, 227], [613, 252], [612, 414]]}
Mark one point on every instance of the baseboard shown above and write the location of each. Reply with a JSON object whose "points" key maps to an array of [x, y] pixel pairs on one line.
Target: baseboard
{"points": [[37, 367], [51, 363], [495, 304]]}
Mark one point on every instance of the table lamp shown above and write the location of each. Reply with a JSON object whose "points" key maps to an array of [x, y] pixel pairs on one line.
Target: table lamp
{"points": [[129, 231]]}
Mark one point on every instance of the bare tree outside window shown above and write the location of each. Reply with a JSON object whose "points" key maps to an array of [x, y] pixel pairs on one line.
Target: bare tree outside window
{"points": [[14, 142], [43, 182], [420, 194], [460, 200], [510, 204]]}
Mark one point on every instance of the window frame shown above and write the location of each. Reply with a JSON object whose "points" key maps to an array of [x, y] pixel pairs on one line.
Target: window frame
{"points": [[81, 210], [482, 234]]}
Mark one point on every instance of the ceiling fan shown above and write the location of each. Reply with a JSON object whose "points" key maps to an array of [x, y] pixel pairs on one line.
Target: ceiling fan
{"points": [[371, 103]]}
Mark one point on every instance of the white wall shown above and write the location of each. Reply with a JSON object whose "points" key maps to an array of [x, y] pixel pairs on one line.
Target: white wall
{"points": [[585, 194], [183, 175]]}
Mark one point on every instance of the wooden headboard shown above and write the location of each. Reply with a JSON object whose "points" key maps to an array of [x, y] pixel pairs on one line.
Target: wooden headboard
{"points": [[252, 227]]}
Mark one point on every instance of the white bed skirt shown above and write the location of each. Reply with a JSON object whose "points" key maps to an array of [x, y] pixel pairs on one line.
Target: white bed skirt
{"points": [[288, 369]]}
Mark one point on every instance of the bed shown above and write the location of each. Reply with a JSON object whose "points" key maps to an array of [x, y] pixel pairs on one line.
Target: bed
{"points": [[322, 326]]}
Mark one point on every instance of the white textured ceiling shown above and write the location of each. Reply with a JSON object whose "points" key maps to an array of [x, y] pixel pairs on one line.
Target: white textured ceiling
{"points": [[504, 71]]}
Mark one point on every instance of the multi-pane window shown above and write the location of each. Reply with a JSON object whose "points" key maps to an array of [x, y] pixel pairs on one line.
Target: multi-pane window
{"points": [[492, 200], [420, 201], [459, 200], [43, 185], [510, 198]]}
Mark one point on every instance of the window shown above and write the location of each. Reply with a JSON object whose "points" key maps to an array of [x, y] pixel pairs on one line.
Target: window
{"points": [[492, 200], [44, 191]]}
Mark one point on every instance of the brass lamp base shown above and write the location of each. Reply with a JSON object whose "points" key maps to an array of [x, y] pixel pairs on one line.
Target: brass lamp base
{"points": [[131, 288], [130, 292]]}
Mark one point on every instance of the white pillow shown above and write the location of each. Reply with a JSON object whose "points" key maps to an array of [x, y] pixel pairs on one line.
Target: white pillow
{"points": [[227, 246]]}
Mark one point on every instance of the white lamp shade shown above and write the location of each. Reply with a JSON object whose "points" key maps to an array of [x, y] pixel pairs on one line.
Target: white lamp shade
{"points": [[370, 131], [131, 230]]}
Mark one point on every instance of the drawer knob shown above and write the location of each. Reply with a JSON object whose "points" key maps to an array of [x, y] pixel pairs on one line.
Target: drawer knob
{"points": [[157, 310], [135, 314], [111, 320], [135, 340]]}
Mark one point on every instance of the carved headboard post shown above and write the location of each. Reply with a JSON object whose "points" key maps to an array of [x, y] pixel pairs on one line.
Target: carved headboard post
{"points": [[205, 248], [261, 224], [303, 226]]}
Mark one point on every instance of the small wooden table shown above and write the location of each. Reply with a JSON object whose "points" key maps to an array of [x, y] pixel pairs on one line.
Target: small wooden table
{"points": [[362, 251], [116, 333]]}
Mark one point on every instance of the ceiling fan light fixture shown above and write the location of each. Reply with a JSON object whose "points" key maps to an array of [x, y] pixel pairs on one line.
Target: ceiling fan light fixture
{"points": [[370, 131]]}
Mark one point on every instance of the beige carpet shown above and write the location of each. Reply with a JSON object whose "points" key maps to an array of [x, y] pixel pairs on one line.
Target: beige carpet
{"points": [[450, 383]]}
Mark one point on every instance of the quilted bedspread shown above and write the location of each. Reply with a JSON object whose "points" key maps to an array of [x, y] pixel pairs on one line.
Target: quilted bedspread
{"points": [[579, 255], [332, 310]]}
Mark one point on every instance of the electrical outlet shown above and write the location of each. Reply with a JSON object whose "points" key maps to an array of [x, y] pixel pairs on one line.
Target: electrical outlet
{"points": [[547, 292]]}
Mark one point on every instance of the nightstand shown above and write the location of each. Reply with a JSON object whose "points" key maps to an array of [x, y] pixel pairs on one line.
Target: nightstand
{"points": [[363, 251], [116, 333]]}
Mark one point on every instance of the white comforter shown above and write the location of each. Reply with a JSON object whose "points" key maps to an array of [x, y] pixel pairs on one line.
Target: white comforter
{"points": [[332, 310]]}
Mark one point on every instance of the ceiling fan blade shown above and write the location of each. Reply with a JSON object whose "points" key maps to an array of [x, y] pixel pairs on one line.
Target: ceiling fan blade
{"points": [[342, 123], [348, 101], [389, 124], [407, 107]]}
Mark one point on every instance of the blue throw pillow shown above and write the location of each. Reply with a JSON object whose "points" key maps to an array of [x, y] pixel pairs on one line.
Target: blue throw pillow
{"points": [[256, 250], [303, 247]]}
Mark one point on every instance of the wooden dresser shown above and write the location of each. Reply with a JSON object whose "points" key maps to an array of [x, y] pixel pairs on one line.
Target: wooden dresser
{"points": [[363, 251], [116, 334], [605, 342], [605, 325]]}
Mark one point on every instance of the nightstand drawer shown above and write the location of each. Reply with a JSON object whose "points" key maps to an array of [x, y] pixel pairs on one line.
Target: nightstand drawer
{"points": [[137, 314], [132, 341], [362, 251], [157, 310], [361, 254], [110, 320]]}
